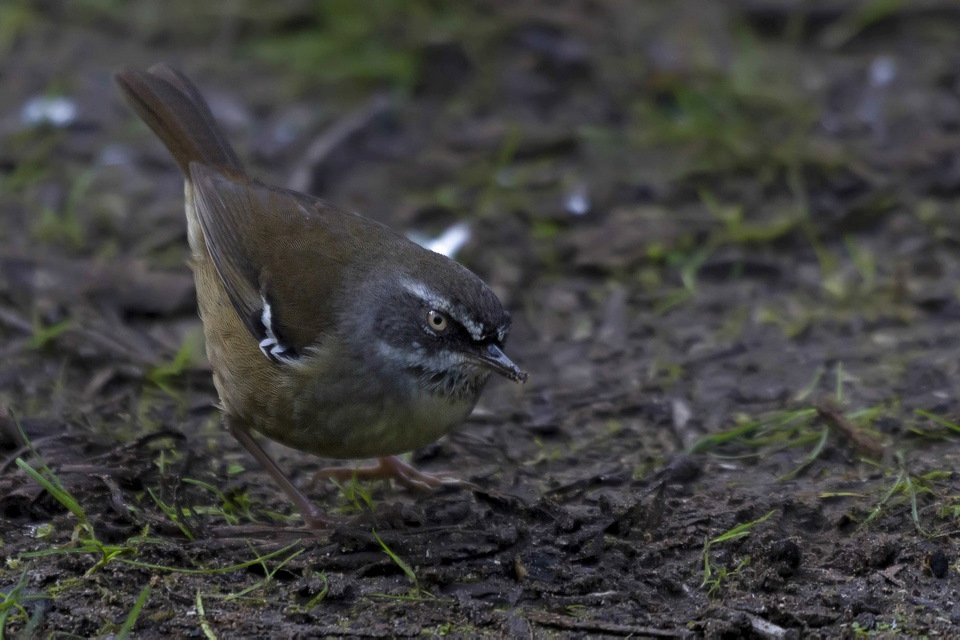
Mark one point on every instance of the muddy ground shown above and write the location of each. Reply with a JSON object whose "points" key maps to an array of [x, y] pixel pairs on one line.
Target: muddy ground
{"points": [[729, 235]]}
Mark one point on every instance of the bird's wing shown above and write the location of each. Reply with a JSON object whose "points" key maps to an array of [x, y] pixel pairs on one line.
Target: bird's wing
{"points": [[281, 256]]}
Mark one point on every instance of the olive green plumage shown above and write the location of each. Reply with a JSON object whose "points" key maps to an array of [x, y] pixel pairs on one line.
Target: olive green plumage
{"points": [[326, 331]]}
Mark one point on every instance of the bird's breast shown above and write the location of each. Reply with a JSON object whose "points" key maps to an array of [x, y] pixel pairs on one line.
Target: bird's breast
{"points": [[351, 414]]}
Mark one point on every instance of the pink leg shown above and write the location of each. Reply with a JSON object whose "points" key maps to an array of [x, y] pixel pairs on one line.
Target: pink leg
{"points": [[311, 513], [393, 468]]}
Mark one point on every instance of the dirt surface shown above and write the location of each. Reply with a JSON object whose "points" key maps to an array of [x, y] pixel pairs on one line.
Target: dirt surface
{"points": [[729, 235]]}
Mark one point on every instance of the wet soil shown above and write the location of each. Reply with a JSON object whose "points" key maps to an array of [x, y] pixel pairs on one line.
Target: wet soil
{"points": [[728, 236]]}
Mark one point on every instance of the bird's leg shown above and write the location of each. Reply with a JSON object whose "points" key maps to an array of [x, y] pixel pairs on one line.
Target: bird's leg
{"points": [[311, 513], [393, 468]]}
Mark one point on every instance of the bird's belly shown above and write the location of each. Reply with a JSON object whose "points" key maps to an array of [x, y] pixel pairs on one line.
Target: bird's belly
{"points": [[326, 425]]}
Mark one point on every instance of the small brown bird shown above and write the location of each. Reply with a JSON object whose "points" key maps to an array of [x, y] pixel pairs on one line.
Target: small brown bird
{"points": [[326, 331]]}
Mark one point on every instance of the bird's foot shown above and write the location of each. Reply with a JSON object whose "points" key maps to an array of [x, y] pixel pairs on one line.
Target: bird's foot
{"points": [[393, 468]]}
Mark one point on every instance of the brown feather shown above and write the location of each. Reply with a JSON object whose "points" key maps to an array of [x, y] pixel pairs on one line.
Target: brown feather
{"points": [[269, 242], [173, 108]]}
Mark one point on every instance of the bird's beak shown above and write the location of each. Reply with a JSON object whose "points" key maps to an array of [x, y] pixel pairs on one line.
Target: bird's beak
{"points": [[492, 357]]}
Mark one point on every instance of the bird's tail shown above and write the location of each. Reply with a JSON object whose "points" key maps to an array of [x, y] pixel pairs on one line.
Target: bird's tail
{"points": [[172, 106]]}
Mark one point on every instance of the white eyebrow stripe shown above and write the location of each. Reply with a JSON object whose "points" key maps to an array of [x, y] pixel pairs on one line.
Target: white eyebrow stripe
{"points": [[457, 312]]}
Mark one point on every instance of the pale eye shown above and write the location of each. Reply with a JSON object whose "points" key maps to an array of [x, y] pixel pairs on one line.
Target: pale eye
{"points": [[437, 321]]}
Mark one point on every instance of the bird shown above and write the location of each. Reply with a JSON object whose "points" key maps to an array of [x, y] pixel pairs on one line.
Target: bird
{"points": [[326, 331]]}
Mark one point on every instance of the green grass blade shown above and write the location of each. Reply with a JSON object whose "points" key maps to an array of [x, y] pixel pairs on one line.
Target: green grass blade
{"points": [[134, 613], [235, 567], [397, 560], [938, 420], [55, 489], [204, 623]]}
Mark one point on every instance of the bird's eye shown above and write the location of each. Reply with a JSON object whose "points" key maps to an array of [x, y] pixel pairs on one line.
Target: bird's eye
{"points": [[437, 321]]}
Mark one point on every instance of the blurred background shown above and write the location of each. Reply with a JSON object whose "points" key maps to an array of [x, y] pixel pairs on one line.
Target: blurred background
{"points": [[702, 215], [632, 144]]}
